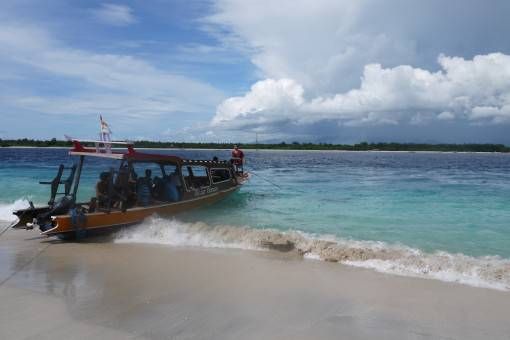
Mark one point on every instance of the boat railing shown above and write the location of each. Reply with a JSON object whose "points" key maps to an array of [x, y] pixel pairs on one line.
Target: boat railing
{"points": [[57, 181], [101, 147]]}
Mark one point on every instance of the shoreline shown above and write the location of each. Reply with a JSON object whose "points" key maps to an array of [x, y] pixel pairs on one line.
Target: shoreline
{"points": [[490, 271], [276, 150], [99, 288]]}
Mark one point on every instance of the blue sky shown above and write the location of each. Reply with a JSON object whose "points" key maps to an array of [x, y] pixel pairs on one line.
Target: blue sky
{"points": [[224, 70]]}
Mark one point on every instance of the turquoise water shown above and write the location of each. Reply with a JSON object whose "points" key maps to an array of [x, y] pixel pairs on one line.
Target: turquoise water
{"points": [[434, 215], [453, 202]]}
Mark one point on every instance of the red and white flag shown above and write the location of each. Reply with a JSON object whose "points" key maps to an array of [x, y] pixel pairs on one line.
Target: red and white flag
{"points": [[105, 128]]}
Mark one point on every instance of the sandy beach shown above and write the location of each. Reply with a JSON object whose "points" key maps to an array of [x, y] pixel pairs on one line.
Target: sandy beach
{"points": [[55, 290]]}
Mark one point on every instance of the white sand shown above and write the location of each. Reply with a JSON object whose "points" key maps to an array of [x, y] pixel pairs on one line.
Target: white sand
{"points": [[103, 290]]}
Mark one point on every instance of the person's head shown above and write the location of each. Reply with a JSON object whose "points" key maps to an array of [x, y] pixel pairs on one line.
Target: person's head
{"points": [[215, 159], [148, 173], [235, 147], [103, 176]]}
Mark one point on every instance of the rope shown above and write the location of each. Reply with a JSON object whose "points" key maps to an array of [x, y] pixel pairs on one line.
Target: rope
{"points": [[268, 181], [8, 227], [12, 224], [24, 265]]}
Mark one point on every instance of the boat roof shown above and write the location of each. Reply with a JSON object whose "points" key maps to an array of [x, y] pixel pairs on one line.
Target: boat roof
{"points": [[103, 149]]}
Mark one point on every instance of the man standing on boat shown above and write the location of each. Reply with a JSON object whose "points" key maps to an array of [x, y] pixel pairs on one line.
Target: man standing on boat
{"points": [[238, 159]]}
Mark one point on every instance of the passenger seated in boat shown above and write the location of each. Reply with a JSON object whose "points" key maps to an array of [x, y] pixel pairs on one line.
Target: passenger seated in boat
{"points": [[102, 189], [158, 188], [173, 187], [125, 189], [92, 205], [167, 189], [144, 189]]}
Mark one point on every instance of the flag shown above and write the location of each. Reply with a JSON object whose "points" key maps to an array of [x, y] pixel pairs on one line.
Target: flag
{"points": [[104, 126]]}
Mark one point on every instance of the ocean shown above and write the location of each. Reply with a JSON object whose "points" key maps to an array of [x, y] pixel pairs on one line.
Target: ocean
{"points": [[441, 216]]}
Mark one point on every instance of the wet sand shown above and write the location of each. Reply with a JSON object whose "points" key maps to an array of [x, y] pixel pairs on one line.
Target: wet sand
{"points": [[54, 290]]}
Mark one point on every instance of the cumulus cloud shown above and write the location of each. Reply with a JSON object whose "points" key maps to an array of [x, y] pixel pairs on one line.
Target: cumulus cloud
{"points": [[325, 44], [476, 90], [446, 115], [114, 14], [259, 105], [366, 63]]}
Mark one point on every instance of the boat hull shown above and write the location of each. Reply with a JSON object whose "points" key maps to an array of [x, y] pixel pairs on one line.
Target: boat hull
{"points": [[103, 222]]}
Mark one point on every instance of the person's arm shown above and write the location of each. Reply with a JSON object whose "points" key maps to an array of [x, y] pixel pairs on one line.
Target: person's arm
{"points": [[100, 194]]}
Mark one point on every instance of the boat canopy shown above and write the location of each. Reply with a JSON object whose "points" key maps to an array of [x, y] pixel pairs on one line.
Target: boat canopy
{"points": [[131, 155]]}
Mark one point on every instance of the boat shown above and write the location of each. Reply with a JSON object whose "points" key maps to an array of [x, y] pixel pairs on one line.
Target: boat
{"points": [[135, 187]]}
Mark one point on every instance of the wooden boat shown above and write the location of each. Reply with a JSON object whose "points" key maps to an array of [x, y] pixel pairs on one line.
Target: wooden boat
{"points": [[123, 196]]}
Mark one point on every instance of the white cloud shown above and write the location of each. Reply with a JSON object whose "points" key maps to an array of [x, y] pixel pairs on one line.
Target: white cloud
{"points": [[325, 44], [320, 44], [113, 83], [267, 101], [446, 115], [495, 114], [476, 90], [114, 14], [365, 63]]}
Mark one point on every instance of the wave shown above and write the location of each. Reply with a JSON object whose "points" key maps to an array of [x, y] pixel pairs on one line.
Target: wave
{"points": [[6, 209], [487, 272]]}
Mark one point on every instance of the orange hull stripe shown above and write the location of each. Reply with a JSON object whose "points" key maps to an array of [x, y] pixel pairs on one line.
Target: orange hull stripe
{"points": [[134, 215]]}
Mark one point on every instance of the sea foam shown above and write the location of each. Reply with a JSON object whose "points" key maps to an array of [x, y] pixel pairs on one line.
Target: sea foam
{"points": [[488, 272], [6, 209]]}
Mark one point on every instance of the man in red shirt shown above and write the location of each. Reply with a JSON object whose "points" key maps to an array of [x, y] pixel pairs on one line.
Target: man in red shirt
{"points": [[238, 159]]}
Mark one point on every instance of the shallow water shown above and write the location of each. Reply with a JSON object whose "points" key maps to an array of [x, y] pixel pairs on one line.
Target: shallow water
{"points": [[423, 202]]}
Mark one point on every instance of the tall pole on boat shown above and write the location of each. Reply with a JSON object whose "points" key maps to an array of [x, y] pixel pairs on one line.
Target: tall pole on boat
{"points": [[104, 135]]}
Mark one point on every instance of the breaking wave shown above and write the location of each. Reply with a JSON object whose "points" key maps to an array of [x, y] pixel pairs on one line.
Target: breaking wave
{"points": [[6, 209], [488, 272]]}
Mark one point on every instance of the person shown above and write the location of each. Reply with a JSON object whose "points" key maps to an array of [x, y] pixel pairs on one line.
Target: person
{"points": [[173, 187], [144, 188], [92, 205], [102, 189], [238, 158], [125, 187]]}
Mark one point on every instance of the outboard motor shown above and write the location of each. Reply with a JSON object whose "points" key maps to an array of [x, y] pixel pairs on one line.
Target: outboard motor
{"points": [[60, 207]]}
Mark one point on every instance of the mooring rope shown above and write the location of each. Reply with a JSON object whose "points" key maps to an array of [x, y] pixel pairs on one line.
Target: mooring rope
{"points": [[25, 264], [265, 179]]}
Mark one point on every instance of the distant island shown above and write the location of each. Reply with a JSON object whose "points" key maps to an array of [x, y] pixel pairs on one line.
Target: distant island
{"points": [[25, 142]]}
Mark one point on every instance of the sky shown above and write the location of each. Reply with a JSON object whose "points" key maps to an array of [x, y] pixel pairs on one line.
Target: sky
{"points": [[332, 71]]}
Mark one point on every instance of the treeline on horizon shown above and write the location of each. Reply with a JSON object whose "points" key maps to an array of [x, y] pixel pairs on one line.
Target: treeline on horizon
{"points": [[364, 146]]}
